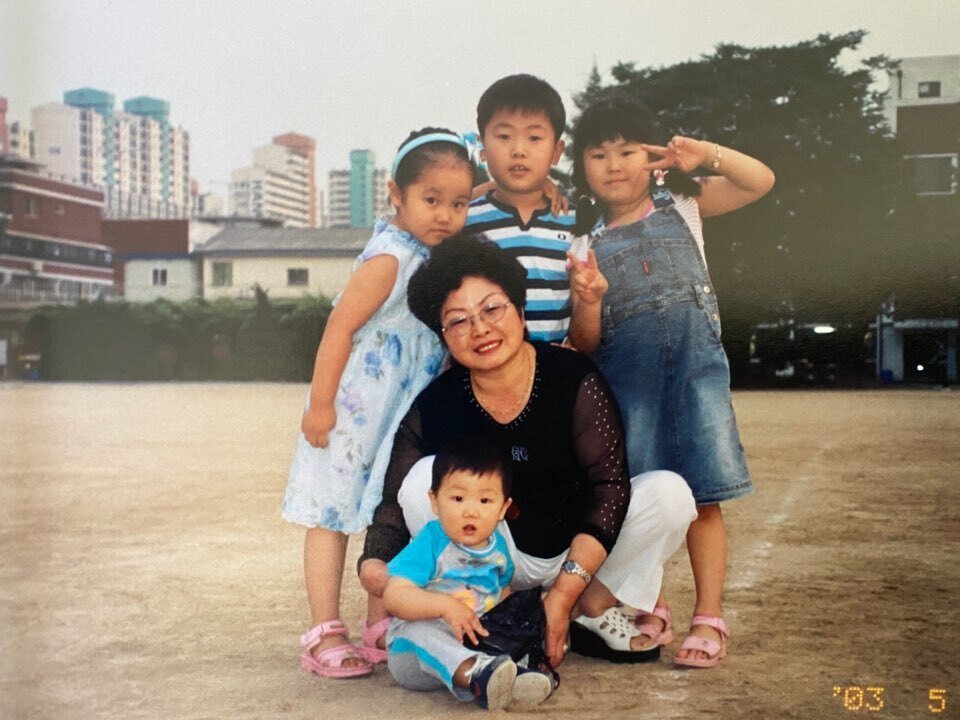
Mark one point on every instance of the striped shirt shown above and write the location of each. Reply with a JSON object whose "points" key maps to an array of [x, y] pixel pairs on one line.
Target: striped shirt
{"points": [[541, 247]]}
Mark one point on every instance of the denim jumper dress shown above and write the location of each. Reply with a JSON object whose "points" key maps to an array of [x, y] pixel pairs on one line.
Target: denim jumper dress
{"points": [[661, 353]]}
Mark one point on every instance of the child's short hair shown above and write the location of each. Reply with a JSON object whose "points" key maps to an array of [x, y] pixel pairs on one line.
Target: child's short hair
{"points": [[607, 120], [525, 93], [412, 163], [473, 454]]}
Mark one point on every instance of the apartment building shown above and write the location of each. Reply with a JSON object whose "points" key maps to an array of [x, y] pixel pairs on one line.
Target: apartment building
{"points": [[4, 132], [136, 156], [359, 195], [279, 184], [305, 148], [338, 199]]}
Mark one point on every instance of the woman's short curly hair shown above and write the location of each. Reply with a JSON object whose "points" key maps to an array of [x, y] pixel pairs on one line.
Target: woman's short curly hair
{"points": [[456, 258]]}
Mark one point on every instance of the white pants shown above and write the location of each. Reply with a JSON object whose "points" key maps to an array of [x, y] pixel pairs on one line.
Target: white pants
{"points": [[661, 509]]}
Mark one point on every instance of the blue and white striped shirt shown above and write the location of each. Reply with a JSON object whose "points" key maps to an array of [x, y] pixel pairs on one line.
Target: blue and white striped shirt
{"points": [[541, 247]]}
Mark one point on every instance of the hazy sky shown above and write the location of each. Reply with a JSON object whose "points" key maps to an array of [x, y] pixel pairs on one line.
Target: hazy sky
{"points": [[362, 74]]}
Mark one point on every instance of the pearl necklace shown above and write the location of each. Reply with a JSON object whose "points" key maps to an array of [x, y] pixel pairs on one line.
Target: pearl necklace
{"points": [[521, 399]]}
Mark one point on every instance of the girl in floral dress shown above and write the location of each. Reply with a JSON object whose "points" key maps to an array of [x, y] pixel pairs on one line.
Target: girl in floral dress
{"points": [[373, 359]]}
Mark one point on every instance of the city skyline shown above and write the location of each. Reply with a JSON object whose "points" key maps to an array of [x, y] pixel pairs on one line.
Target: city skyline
{"points": [[359, 77]]}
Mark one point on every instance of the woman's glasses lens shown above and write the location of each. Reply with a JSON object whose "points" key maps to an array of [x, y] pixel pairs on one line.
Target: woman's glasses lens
{"points": [[491, 314]]}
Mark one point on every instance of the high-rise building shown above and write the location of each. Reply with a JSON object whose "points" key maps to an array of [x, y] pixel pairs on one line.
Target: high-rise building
{"points": [[204, 205], [136, 156], [361, 188], [71, 143], [305, 147], [359, 195], [96, 134], [381, 197], [16, 138], [279, 184], [338, 199], [323, 220], [20, 138], [4, 136]]}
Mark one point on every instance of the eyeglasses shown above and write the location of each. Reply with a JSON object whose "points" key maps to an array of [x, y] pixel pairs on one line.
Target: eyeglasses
{"points": [[491, 314]]}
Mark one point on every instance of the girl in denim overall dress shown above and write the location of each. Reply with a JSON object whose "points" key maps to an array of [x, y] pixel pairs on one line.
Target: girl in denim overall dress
{"points": [[660, 328]]}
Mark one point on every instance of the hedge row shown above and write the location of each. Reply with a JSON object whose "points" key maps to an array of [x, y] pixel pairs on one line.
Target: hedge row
{"points": [[196, 340]]}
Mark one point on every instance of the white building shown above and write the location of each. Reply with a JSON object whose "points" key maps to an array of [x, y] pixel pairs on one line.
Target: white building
{"points": [[923, 108], [206, 205], [277, 185], [20, 139], [340, 196], [71, 143], [151, 170], [381, 194], [338, 200], [285, 262], [922, 81], [140, 161], [167, 277]]}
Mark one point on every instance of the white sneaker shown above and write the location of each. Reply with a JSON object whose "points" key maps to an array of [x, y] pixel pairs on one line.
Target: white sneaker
{"points": [[531, 687]]}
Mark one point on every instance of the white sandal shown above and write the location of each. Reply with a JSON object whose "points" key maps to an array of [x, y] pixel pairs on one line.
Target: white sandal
{"points": [[608, 636]]}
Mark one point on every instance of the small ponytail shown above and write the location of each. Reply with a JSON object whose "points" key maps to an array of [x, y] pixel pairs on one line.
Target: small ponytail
{"points": [[680, 183], [588, 212]]}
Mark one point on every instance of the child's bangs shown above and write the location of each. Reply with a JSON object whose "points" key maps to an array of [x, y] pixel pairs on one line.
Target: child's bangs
{"points": [[610, 123]]}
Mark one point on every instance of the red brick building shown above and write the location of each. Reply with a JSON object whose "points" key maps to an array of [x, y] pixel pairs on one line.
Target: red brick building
{"points": [[50, 239]]}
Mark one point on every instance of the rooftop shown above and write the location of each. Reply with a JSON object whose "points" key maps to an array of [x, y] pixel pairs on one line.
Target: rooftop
{"points": [[253, 241]]}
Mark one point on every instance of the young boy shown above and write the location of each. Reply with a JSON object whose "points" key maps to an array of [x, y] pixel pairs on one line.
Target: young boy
{"points": [[521, 122], [453, 571]]}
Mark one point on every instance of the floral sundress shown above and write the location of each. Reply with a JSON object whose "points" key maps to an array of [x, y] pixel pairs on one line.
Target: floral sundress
{"points": [[394, 356]]}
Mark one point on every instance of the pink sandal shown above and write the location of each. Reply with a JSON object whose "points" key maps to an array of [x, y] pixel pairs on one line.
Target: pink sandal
{"points": [[329, 662], [659, 636], [715, 651], [371, 633]]}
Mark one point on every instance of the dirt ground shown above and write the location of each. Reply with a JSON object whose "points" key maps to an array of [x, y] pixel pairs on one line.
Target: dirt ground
{"points": [[145, 571]]}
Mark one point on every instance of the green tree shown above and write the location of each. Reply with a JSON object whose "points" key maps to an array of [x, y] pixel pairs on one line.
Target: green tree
{"points": [[810, 249]]}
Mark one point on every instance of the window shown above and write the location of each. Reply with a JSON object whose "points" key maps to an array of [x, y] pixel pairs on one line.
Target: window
{"points": [[934, 174], [159, 277], [928, 89], [297, 276], [32, 206], [222, 274]]}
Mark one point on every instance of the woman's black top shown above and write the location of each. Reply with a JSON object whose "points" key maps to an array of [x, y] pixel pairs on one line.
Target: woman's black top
{"points": [[569, 465]]}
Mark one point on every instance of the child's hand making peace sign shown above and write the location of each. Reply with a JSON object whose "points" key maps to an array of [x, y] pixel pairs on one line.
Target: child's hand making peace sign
{"points": [[683, 153]]}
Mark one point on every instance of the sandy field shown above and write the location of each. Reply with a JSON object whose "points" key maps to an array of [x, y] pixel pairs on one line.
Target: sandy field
{"points": [[145, 571]]}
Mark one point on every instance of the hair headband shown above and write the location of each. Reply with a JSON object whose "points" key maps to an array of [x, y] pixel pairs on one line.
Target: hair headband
{"points": [[468, 142]]}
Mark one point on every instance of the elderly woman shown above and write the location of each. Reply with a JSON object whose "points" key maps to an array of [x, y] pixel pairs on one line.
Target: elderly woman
{"points": [[582, 528]]}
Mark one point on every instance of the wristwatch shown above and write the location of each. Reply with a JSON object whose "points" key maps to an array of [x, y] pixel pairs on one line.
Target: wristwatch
{"points": [[575, 568]]}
